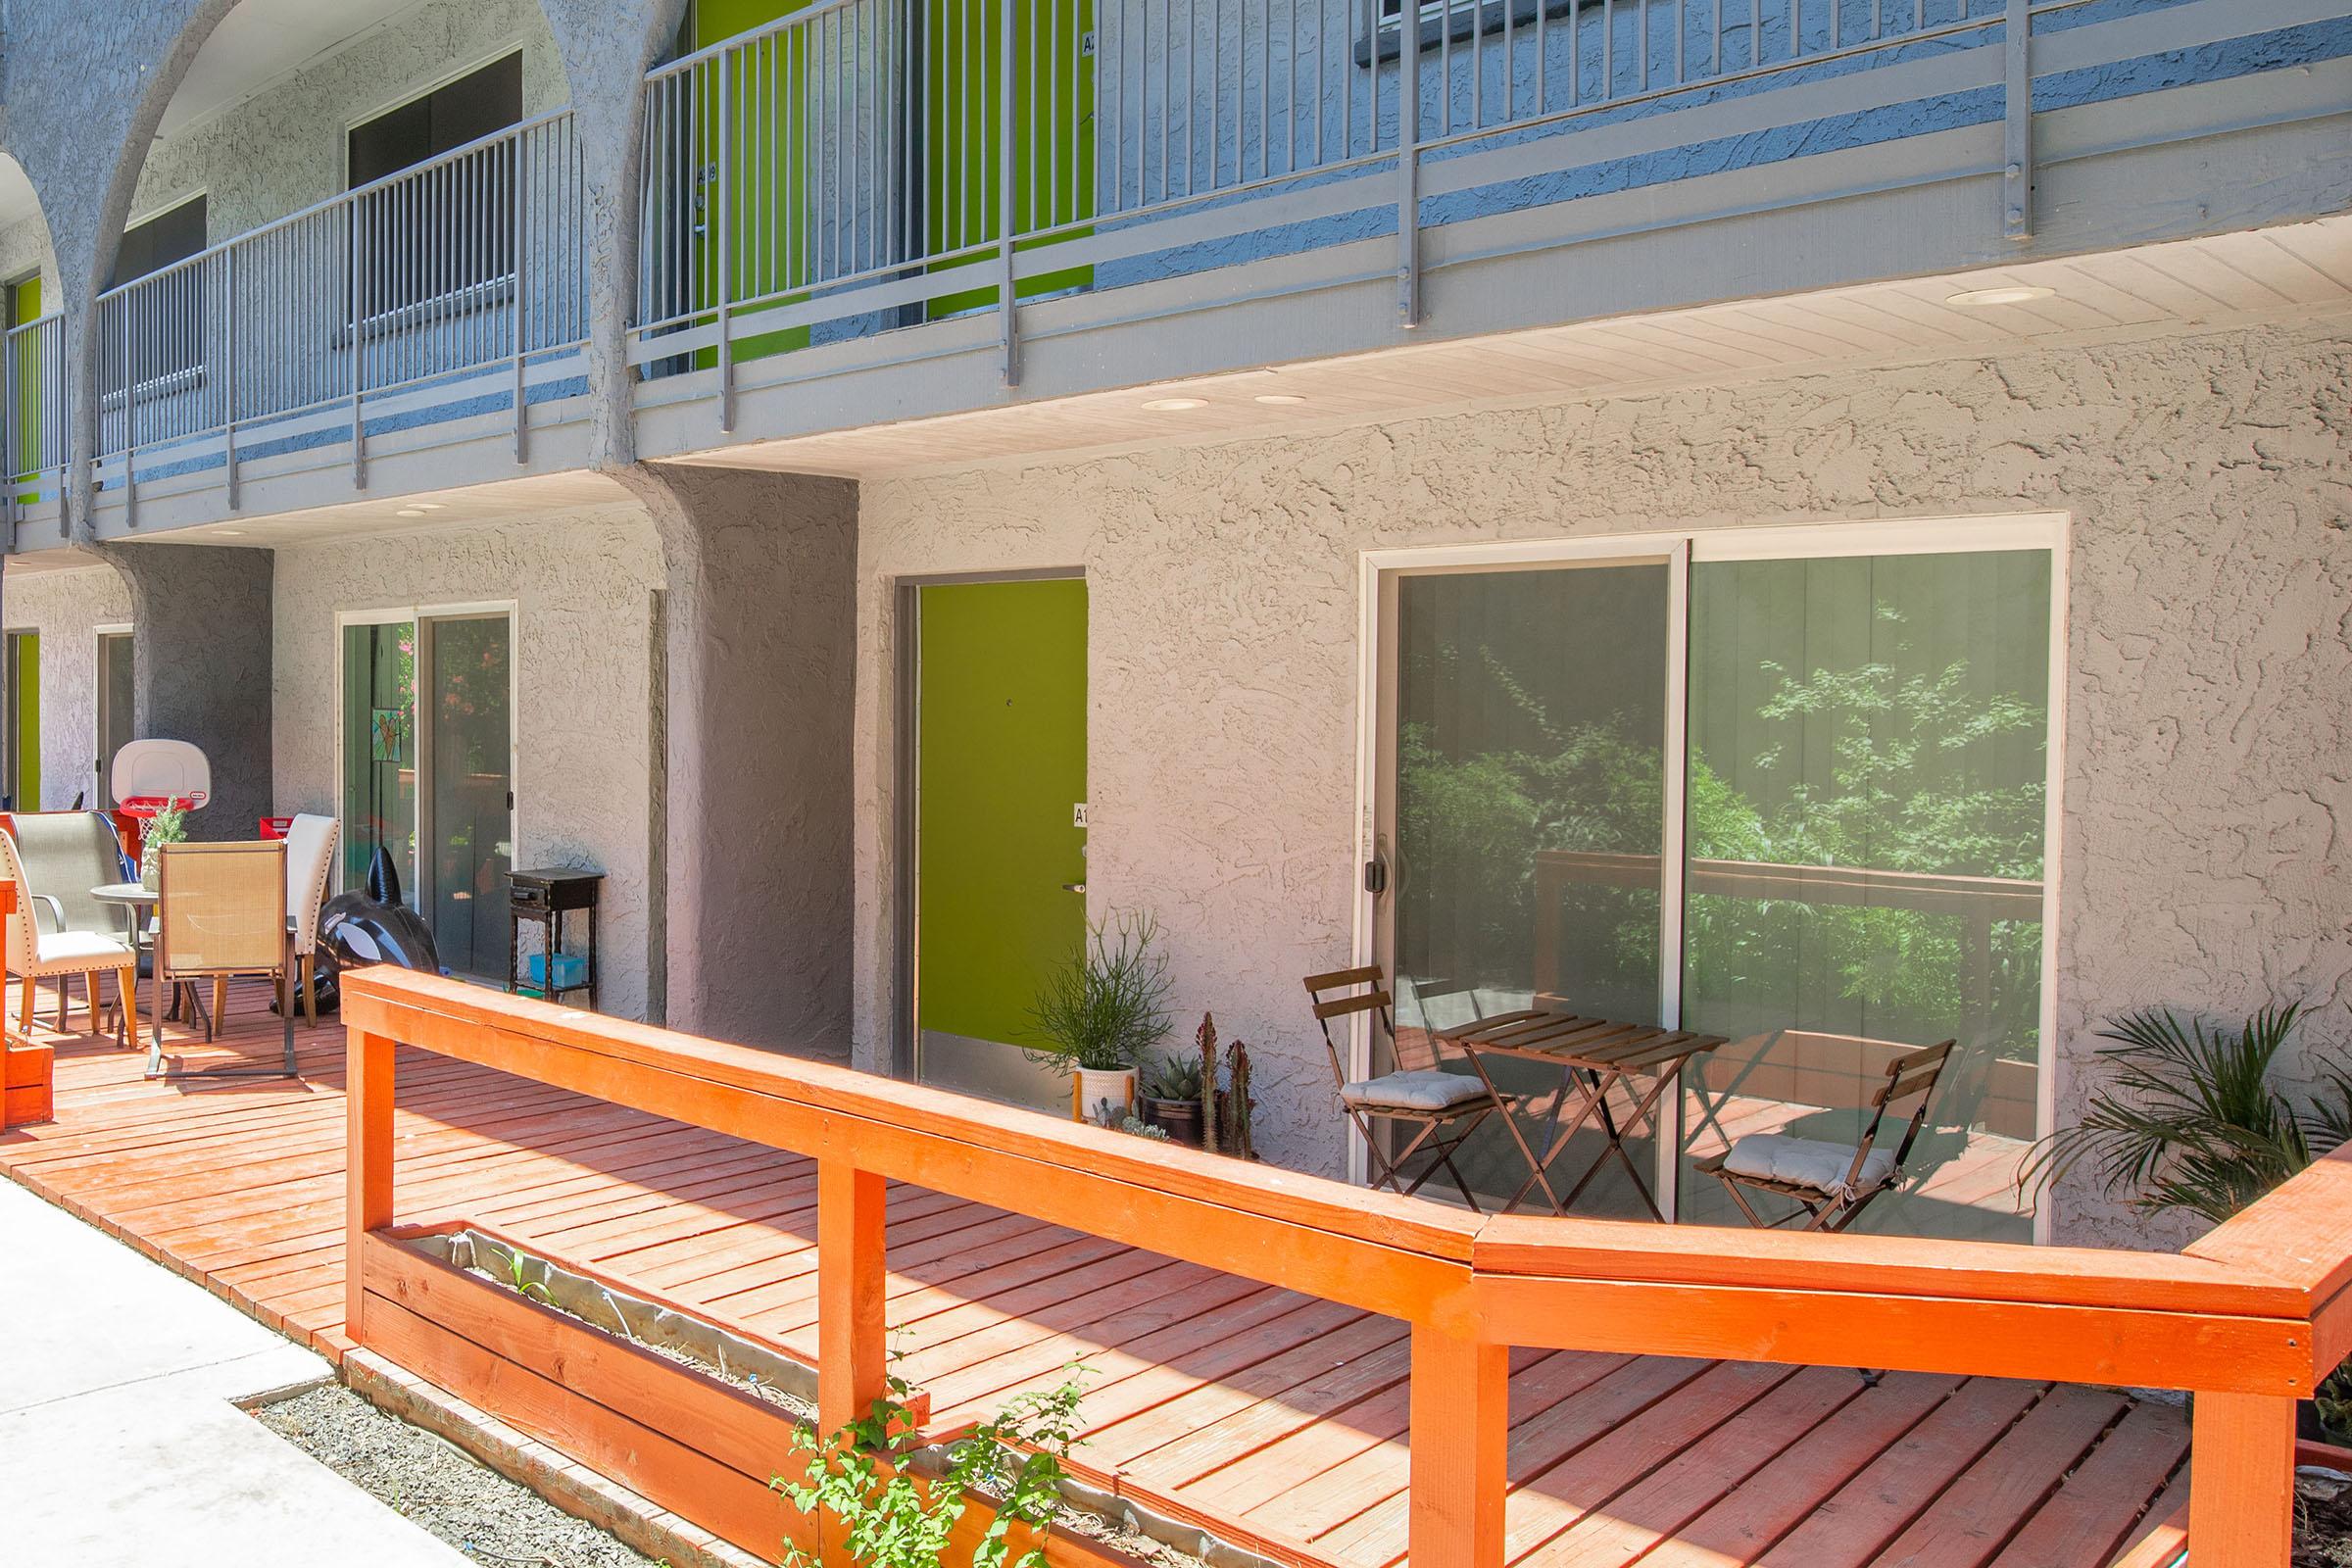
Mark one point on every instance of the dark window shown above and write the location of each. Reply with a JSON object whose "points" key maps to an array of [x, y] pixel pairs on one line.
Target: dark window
{"points": [[163, 239], [163, 338], [448, 229], [466, 110]]}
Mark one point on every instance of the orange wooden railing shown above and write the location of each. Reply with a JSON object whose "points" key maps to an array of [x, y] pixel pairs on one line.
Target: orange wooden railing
{"points": [[2246, 1318]]}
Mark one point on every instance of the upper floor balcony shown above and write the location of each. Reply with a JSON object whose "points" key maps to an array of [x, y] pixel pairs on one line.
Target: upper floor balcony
{"points": [[1177, 188], [445, 303], [846, 196]]}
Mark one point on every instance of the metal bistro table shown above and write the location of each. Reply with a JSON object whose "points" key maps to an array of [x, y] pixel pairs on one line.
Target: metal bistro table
{"points": [[1594, 1057], [137, 902]]}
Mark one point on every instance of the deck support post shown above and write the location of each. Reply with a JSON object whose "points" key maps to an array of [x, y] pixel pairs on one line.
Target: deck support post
{"points": [[2241, 1478], [851, 1349], [368, 1101], [1460, 1415]]}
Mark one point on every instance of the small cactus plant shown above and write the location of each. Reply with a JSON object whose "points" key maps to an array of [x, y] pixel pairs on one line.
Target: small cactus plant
{"points": [[1234, 1136], [1207, 1039]]}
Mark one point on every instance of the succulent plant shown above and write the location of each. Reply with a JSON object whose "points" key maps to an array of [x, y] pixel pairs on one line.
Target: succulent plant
{"points": [[1206, 1038]]}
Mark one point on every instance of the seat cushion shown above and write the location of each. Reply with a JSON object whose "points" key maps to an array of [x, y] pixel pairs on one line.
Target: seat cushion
{"points": [[79, 949], [1426, 1088], [1806, 1163]]}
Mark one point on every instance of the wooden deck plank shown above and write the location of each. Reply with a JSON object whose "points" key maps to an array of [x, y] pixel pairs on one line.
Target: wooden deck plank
{"points": [[1270, 1417], [1869, 1512], [2107, 1498]]}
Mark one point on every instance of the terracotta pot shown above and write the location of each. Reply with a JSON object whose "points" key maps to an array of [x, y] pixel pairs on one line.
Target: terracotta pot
{"points": [[1095, 1085]]}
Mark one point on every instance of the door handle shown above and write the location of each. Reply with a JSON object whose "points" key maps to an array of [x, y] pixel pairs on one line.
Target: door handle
{"points": [[1073, 887]]}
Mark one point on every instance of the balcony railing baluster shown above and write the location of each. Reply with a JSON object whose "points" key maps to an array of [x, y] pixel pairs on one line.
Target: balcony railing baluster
{"points": [[470, 263]]}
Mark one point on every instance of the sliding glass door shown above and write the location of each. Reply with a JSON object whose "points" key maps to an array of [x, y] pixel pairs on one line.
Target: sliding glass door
{"points": [[1767, 789], [1528, 717], [428, 771]]}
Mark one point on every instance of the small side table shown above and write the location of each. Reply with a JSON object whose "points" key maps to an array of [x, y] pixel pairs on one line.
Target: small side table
{"points": [[547, 896]]}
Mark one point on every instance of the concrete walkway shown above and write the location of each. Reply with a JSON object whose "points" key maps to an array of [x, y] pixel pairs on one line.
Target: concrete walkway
{"points": [[118, 1438]]}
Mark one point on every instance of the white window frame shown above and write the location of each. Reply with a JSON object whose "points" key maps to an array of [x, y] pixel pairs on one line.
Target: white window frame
{"points": [[99, 782], [1683, 546], [420, 614]]}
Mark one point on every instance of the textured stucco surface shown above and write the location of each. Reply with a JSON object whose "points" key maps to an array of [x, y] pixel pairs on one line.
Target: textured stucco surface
{"points": [[582, 587], [283, 149], [201, 661], [66, 607], [759, 680], [2208, 769]]}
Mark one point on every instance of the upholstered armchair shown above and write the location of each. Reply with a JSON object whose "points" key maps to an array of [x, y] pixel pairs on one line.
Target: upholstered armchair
{"points": [[59, 930]]}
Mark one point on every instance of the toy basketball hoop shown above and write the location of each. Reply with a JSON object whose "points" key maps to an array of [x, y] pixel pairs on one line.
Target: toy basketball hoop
{"points": [[150, 776]]}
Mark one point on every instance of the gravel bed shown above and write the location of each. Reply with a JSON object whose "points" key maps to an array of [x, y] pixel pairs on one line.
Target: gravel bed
{"points": [[2322, 1518], [441, 1487]]}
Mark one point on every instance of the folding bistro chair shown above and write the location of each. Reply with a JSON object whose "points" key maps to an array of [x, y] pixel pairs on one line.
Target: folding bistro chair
{"points": [[1444, 1107], [1831, 1183], [222, 912]]}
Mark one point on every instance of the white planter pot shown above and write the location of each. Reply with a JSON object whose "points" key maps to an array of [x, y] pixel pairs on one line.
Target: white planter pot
{"points": [[1098, 1084]]}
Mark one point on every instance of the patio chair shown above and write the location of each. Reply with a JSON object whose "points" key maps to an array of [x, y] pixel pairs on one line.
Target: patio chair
{"points": [[59, 931], [310, 855], [1831, 1183], [222, 914], [1443, 1109]]}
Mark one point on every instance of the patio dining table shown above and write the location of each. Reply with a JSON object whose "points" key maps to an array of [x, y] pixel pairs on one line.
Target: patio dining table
{"points": [[1595, 1056]]}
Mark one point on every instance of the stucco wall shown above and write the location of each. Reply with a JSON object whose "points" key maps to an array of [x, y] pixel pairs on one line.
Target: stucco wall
{"points": [[283, 149], [2208, 772], [583, 587], [25, 250], [66, 607]]}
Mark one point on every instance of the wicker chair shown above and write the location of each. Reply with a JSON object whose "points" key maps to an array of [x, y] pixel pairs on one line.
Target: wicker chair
{"points": [[222, 912]]}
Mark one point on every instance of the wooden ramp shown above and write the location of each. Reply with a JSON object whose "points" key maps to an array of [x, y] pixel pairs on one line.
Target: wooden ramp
{"points": [[1274, 1419]]}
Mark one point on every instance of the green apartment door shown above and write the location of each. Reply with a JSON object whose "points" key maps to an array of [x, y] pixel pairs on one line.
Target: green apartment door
{"points": [[1053, 133], [768, 234], [23, 675], [24, 308], [999, 855]]}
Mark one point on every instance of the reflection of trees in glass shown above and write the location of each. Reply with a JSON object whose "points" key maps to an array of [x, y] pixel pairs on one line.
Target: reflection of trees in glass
{"points": [[1902, 792]]}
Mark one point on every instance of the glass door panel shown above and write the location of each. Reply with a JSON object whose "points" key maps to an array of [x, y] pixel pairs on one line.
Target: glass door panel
{"points": [[1867, 782], [379, 751], [468, 746], [1525, 821]]}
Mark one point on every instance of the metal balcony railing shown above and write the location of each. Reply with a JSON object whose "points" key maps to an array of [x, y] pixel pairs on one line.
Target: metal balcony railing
{"points": [[831, 167], [474, 260], [33, 414]]}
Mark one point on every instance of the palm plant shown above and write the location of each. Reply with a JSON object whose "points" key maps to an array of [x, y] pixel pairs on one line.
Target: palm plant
{"points": [[2191, 1121]]}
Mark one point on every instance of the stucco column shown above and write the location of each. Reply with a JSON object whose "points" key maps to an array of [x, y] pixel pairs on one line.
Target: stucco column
{"points": [[755, 712], [202, 628]]}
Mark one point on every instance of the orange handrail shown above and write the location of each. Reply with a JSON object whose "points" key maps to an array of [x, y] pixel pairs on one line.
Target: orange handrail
{"points": [[2249, 1319]]}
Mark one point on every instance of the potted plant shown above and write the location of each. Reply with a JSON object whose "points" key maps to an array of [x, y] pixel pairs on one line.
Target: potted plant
{"points": [[1171, 1099], [1101, 1010], [2191, 1122], [168, 825]]}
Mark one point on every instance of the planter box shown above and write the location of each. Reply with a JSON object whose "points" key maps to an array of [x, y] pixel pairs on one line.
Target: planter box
{"points": [[700, 1446]]}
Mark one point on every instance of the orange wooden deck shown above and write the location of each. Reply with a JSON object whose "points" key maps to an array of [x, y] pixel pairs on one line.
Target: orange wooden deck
{"points": [[1276, 1419]]}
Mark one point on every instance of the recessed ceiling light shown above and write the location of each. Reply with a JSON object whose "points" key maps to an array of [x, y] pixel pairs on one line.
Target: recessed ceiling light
{"points": [[431, 506], [409, 512], [231, 534], [1280, 400], [1175, 405], [2006, 294]]}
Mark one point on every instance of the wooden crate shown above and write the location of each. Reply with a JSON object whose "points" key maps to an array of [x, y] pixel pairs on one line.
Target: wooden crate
{"points": [[701, 1448], [29, 1093]]}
